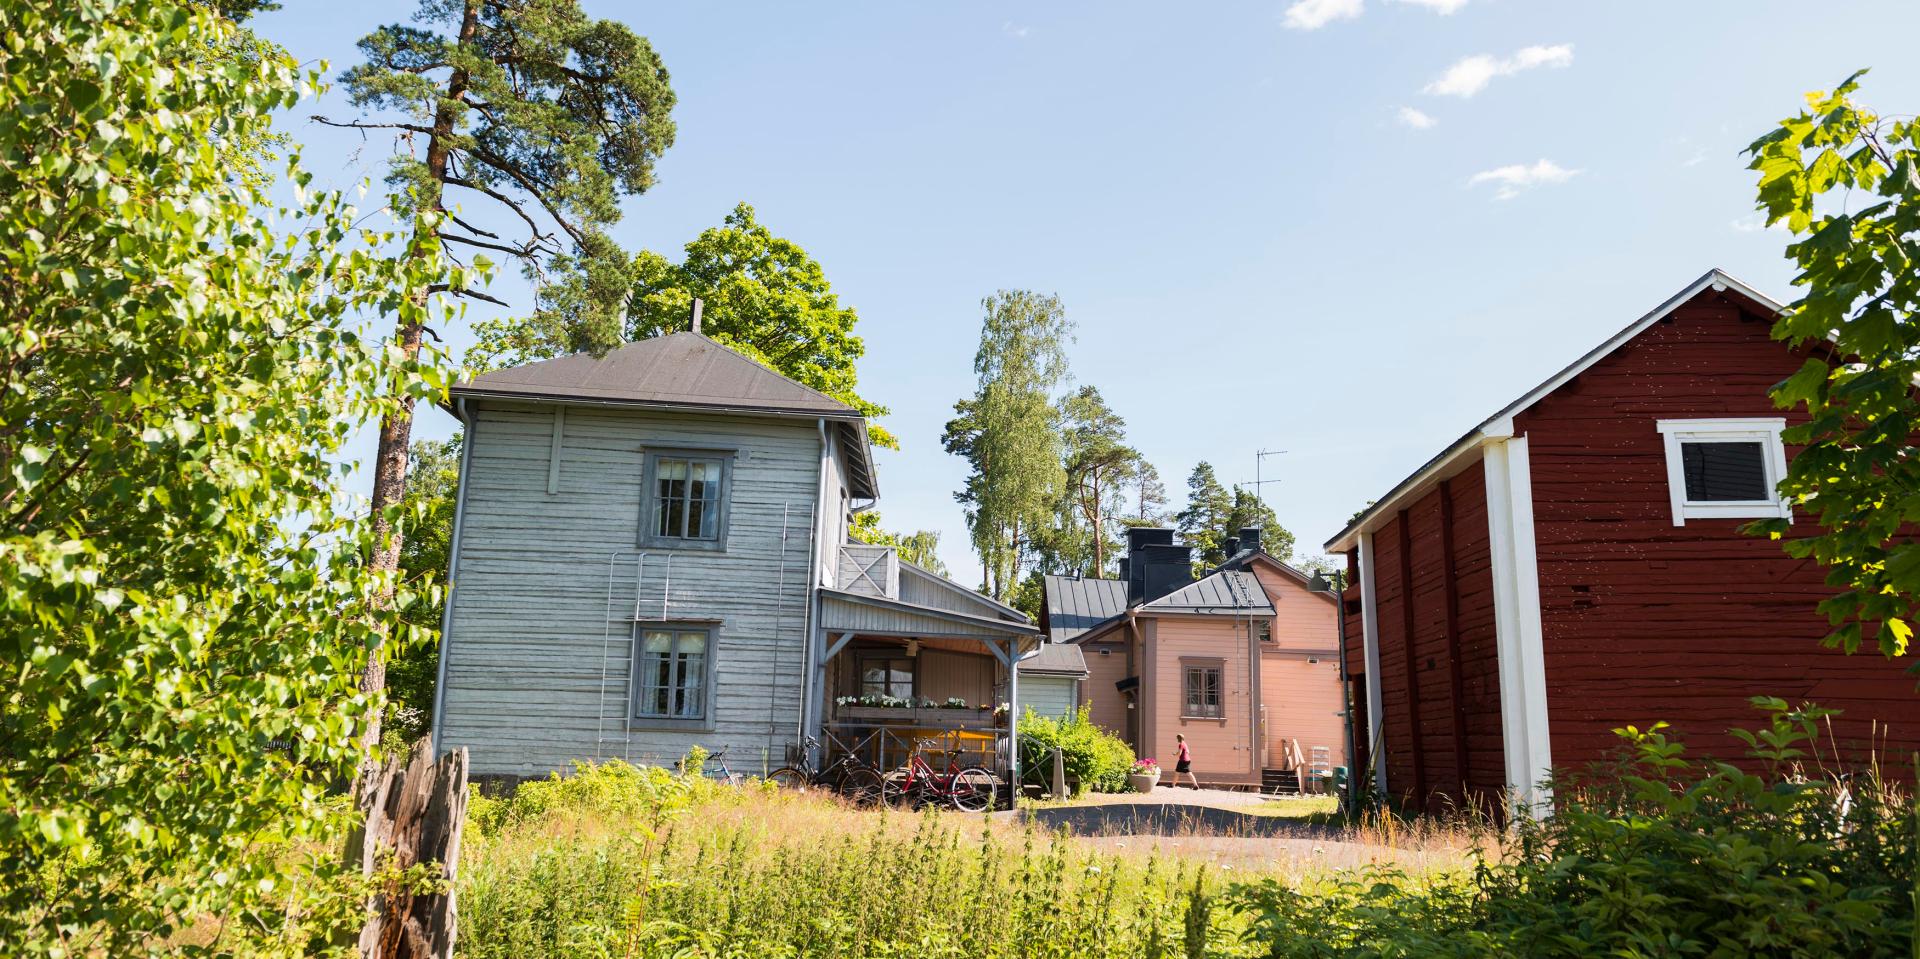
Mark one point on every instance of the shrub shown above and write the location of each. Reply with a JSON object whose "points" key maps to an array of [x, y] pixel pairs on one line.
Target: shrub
{"points": [[1657, 854], [1094, 758], [610, 790]]}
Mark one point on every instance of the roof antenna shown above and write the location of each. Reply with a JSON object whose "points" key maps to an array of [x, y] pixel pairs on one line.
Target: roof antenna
{"points": [[697, 307]]}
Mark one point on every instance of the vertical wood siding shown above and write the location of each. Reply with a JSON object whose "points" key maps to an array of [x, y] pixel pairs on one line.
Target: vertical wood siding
{"points": [[525, 687], [1643, 620], [1451, 613]]}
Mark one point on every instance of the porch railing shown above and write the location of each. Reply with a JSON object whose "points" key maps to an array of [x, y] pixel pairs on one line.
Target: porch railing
{"points": [[888, 747], [868, 571]]}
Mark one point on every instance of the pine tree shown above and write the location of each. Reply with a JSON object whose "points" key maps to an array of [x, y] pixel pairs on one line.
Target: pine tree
{"points": [[1098, 464], [538, 115]]}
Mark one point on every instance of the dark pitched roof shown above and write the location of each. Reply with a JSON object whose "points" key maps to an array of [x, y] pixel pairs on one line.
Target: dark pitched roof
{"points": [[1055, 659], [1247, 557], [679, 369], [1075, 604], [1230, 593], [684, 370]]}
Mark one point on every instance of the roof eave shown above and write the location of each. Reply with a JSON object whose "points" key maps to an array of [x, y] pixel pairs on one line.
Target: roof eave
{"points": [[1499, 426]]}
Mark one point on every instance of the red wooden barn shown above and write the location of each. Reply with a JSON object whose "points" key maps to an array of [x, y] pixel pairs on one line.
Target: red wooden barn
{"points": [[1574, 564]]}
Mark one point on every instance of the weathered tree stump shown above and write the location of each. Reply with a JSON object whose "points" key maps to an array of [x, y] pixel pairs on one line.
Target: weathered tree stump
{"points": [[413, 809]]}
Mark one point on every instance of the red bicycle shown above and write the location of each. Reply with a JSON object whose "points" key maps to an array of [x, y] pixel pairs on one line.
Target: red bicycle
{"points": [[968, 789]]}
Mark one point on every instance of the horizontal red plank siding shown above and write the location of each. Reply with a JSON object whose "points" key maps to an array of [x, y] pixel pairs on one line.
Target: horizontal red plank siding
{"points": [[1643, 620]]}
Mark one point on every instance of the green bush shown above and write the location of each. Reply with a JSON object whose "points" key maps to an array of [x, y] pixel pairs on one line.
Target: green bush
{"points": [[610, 790], [1656, 855], [1095, 758]]}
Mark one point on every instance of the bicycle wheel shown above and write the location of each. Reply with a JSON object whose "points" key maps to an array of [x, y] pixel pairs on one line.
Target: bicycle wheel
{"points": [[863, 787], [972, 790], [789, 778]]}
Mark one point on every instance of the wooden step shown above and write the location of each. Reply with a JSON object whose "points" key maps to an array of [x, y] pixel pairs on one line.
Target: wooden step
{"points": [[1281, 781]]}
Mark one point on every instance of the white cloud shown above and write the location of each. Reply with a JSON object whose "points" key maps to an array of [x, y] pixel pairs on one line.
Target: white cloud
{"points": [[1409, 117], [1471, 75], [1520, 177], [1314, 14], [1014, 30], [1755, 223], [1441, 7]]}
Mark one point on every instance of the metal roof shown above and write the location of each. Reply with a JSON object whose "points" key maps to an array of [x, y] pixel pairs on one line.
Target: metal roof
{"points": [[1230, 592], [1241, 559], [1055, 659], [1458, 455], [1076, 604], [683, 370]]}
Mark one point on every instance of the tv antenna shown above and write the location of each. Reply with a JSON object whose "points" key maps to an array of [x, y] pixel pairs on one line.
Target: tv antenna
{"points": [[1259, 460]]}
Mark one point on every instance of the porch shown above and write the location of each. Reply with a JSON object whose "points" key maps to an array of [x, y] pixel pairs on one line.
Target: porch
{"points": [[909, 659]]}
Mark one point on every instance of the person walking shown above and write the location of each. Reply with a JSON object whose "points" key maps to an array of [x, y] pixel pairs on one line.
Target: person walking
{"points": [[1183, 762]]}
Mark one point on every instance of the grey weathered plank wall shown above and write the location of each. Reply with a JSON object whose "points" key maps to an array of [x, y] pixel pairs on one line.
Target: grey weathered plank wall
{"points": [[537, 671]]}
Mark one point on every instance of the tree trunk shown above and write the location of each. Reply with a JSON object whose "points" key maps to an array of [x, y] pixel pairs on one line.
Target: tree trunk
{"points": [[1099, 534], [414, 809], [396, 429]]}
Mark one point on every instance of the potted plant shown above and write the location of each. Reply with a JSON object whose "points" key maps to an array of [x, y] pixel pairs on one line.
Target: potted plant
{"points": [[1144, 775]]}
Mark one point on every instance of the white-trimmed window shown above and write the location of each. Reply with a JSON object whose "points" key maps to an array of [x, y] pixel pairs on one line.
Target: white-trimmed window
{"points": [[1725, 468], [1201, 697]]}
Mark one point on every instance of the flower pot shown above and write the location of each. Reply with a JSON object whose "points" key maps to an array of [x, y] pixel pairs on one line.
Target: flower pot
{"points": [[1143, 783]]}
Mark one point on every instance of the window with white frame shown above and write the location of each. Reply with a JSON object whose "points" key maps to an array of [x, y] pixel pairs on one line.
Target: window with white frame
{"points": [[673, 674], [1725, 468]]}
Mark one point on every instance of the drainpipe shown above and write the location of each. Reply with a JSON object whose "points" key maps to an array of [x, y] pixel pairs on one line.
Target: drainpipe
{"points": [[1351, 800], [809, 670], [453, 566]]}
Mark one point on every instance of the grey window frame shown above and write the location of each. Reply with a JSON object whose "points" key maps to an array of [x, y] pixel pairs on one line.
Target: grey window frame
{"points": [[704, 722], [650, 498], [1218, 667]]}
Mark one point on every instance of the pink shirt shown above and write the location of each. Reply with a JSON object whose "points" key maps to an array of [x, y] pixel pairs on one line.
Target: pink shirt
{"points": [[1184, 755]]}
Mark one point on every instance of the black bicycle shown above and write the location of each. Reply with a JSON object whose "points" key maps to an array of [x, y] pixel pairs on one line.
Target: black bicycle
{"points": [[847, 776]]}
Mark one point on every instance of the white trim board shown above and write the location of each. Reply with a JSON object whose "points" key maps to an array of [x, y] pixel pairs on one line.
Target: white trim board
{"points": [[1524, 727], [1370, 645]]}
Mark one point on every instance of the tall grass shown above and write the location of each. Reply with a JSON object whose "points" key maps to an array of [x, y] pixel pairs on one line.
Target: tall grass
{"points": [[649, 868]]}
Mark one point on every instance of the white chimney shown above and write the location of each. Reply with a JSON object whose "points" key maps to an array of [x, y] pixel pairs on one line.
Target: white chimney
{"points": [[697, 305]]}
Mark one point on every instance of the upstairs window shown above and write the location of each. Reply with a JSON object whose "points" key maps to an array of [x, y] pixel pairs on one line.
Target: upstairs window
{"points": [[1202, 698], [686, 502], [1725, 468]]}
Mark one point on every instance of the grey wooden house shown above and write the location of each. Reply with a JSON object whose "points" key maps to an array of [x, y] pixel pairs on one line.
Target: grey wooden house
{"points": [[650, 552]]}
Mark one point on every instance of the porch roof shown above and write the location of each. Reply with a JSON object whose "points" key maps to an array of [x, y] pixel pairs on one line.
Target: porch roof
{"points": [[845, 612]]}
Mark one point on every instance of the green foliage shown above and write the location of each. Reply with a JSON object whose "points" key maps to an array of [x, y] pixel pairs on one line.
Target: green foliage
{"points": [[613, 789], [433, 485], [1843, 180], [1215, 514], [1094, 758], [1657, 855], [920, 547], [1098, 464], [764, 296], [186, 613], [1009, 431], [543, 115], [763, 873]]}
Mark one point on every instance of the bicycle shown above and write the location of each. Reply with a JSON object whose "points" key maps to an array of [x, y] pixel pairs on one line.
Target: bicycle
{"points": [[846, 775], [714, 767], [968, 789]]}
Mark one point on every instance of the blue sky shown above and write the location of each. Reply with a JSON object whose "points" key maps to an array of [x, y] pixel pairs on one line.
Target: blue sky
{"points": [[1347, 229]]}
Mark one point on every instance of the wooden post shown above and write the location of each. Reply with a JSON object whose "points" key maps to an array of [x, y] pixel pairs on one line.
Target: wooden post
{"points": [[1059, 774], [413, 810]]}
